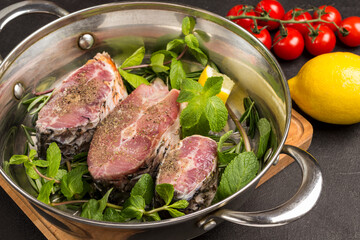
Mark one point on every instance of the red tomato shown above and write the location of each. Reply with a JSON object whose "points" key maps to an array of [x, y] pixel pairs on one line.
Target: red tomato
{"points": [[351, 24], [329, 13], [276, 11], [299, 16], [289, 47], [238, 10], [264, 36], [324, 42]]}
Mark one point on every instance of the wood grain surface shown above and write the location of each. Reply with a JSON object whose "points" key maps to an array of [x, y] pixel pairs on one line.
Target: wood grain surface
{"points": [[300, 135]]}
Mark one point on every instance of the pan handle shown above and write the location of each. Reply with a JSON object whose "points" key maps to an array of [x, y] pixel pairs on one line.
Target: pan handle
{"points": [[300, 204], [21, 8]]}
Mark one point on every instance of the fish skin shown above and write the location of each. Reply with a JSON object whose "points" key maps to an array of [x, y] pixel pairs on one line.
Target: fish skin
{"points": [[191, 167], [78, 105], [142, 126]]}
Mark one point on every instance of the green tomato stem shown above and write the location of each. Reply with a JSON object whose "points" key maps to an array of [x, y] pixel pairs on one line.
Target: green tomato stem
{"points": [[266, 18]]}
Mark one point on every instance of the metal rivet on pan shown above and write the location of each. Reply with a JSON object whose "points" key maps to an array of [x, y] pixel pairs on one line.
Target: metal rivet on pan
{"points": [[18, 91], [209, 225], [86, 41]]}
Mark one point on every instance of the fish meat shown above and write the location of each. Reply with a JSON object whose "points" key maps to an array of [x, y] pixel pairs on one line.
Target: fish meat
{"points": [[191, 168], [133, 139], [78, 105]]}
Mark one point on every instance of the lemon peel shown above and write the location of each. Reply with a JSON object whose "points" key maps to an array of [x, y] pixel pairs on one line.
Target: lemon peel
{"points": [[327, 88]]}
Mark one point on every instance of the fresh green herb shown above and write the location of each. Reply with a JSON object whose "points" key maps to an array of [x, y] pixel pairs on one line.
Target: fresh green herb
{"points": [[28, 133], [44, 194], [53, 155], [165, 191], [177, 73], [72, 183], [112, 215], [188, 25], [38, 102], [135, 59], [264, 130], [202, 100], [94, 209], [240, 171], [144, 188], [174, 44], [133, 79], [157, 63], [193, 44]]}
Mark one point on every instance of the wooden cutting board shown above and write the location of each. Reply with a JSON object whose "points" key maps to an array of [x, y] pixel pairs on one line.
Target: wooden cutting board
{"points": [[300, 135]]}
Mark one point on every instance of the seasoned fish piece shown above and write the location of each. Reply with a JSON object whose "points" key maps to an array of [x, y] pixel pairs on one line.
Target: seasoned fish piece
{"points": [[131, 140], [191, 168], [78, 105]]}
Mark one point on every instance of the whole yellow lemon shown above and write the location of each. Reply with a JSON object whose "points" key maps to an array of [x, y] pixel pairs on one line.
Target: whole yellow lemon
{"points": [[327, 88]]}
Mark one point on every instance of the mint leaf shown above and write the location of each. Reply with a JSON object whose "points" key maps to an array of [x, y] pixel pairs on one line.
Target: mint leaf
{"points": [[18, 159], [189, 90], [53, 156], [191, 41], [144, 188], [216, 113], [240, 171], [190, 116], [213, 86], [60, 174], [41, 163], [30, 171], [223, 139], [32, 154], [175, 213], [165, 191], [157, 63], [111, 215], [154, 216], [199, 55], [188, 24], [90, 210], [44, 194], [133, 79], [177, 73], [135, 206], [135, 59], [72, 183], [93, 209], [226, 158], [180, 204], [166, 53], [193, 44], [264, 130], [202, 127], [174, 44]]}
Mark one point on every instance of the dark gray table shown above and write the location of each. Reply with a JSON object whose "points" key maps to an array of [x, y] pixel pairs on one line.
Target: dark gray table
{"points": [[337, 214]]}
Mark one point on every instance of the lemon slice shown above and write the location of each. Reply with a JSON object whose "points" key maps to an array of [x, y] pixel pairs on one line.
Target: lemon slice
{"points": [[226, 87]]}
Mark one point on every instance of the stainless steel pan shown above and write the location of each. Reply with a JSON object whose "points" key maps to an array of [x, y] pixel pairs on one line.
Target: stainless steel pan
{"points": [[43, 58]]}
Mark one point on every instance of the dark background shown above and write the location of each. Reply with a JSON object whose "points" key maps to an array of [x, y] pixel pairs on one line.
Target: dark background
{"points": [[337, 214]]}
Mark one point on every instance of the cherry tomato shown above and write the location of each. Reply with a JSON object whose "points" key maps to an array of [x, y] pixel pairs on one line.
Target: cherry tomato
{"points": [[289, 47], [300, 15], [264, 35], [351, 24], [276, 11], [238, 10], [329, 13], [320, 42]]}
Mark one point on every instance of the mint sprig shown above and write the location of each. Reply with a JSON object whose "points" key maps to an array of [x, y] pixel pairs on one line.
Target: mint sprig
{"points": [[202, 101]]}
